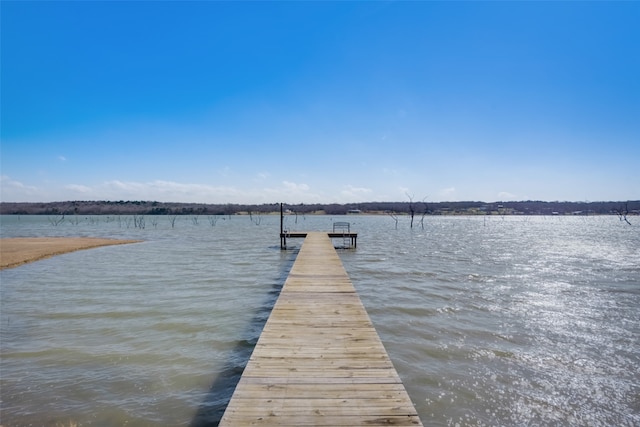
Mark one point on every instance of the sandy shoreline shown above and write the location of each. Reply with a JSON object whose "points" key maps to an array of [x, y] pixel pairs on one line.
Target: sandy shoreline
{"points": [[21, 250]]}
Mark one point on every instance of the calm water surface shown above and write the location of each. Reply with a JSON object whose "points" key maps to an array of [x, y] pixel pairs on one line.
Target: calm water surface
{"points": [[490, 321]]}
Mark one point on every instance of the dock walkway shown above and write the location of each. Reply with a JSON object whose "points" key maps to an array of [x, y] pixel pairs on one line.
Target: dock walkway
{"points": [[319, 360]]}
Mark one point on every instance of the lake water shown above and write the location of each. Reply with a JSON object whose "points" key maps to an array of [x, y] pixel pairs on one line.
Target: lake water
{"points": [[490, 321]]}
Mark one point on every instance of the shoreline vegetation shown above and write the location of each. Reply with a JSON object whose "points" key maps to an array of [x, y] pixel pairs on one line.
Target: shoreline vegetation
{"points": [[420, 208], [17, 251]]}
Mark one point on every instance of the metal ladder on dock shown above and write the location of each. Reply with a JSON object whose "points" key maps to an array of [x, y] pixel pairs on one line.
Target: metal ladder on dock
{"points": [[345, 228]]}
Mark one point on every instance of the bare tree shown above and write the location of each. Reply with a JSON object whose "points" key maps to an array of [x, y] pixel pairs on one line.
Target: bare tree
{"points": [[394, 216], [412, 208], [154, 221], [425, 212], [295, 213], [194, 219], [138, 221], [55, 221], [623, 212], [213, 219], [256, 220], [172, 220]]}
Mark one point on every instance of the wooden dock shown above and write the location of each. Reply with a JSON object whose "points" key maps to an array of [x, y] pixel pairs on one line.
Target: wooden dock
{"points": [[319, 360], [352, 237]]}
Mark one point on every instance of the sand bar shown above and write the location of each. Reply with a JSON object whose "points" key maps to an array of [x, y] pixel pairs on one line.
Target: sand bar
{"points": [[21, 250]]}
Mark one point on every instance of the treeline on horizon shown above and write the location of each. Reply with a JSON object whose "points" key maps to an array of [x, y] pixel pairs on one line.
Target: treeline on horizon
{"points": [[418, 208]]}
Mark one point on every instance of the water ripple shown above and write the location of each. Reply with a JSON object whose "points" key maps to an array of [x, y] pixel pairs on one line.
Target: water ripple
{"points": [[489, 321]]}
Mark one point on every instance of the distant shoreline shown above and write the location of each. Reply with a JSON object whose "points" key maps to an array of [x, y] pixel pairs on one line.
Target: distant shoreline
{"points": [[71, 209], [22, 250]]}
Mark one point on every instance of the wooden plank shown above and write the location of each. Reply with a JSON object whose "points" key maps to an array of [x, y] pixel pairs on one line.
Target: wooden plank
{"points": [[251, 390], [327, 380], [271, 418], [319, 360]]}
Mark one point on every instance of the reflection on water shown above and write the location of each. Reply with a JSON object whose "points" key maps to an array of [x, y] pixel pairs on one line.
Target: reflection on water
{"points": [[496, 321]]}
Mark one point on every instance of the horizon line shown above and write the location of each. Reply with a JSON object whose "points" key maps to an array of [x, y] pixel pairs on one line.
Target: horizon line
{"points": [[327, 203]]}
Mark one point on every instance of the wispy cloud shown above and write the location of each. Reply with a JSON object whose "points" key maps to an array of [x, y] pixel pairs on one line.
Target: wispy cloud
{"points": [[16, 191], [447, 192], [82, 189], [170, 191], [291, 192], [167, 191], [505, 195], [8, 183], [158, 190], [292, 186], [351, 193], [62, 158]]}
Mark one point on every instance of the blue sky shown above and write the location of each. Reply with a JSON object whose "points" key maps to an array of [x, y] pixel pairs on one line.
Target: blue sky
{"points": [[304, 102]]}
